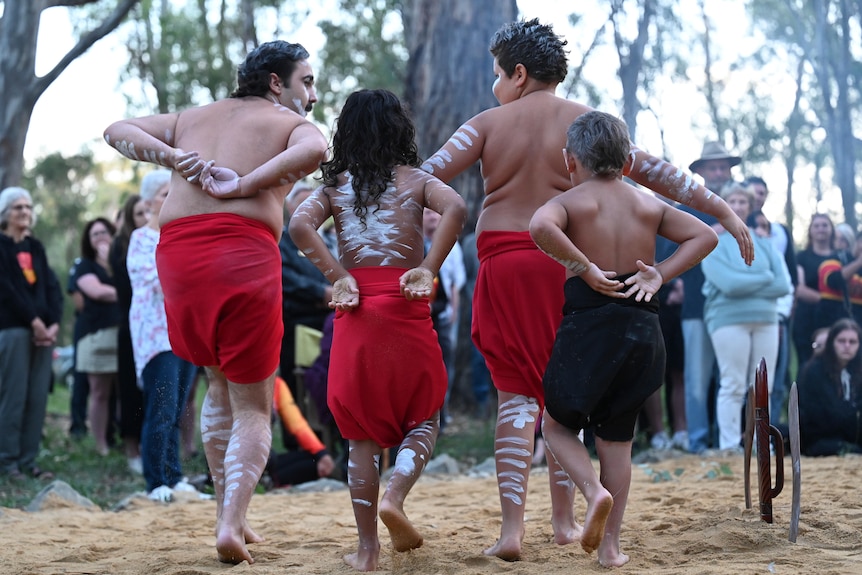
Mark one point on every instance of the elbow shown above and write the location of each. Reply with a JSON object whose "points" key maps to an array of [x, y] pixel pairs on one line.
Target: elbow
{"points": [[320, 152], [459, 210], [108, 134], [712, 241], [539, 228], [297, 230]]}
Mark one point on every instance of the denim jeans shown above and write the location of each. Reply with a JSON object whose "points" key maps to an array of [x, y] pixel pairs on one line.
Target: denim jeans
{"points": [[167, 380], [481, 382], [699, 365]]}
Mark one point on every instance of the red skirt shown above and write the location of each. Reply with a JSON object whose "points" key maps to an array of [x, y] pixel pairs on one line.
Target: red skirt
{"points": [[517, 308], [221, 276], [386, 372]]}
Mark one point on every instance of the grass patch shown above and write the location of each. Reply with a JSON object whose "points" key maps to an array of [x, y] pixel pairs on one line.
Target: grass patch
{"points": [[469, 440], [103, 480], [107, 480]]}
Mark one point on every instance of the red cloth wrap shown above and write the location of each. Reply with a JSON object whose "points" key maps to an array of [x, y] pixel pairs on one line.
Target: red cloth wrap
{"points": [[517, 308], [221, 276], [386, 372]]}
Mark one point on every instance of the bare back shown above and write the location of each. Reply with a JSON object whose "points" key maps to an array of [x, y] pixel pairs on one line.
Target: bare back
{"points": [[613, 223], [520, 145], [241, 134]]}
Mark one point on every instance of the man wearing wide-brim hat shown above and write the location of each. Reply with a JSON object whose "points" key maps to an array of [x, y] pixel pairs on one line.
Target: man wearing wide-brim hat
{"points": [[714, 165]]}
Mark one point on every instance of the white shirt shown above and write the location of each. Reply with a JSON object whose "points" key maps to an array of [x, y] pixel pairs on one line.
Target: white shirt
{"points": [[147, 320]]}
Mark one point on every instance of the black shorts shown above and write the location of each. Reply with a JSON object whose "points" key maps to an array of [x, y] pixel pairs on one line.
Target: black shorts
{"points": [[608, 358]]}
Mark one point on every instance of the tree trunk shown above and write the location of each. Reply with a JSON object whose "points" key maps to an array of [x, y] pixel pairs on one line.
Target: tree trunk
{"points": [[20, 88], [448, 82], [631, 57], [449, 74]]}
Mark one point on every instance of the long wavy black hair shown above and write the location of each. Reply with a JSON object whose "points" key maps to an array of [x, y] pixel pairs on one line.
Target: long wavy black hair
{"points": [[830, 358], [373, 135]]}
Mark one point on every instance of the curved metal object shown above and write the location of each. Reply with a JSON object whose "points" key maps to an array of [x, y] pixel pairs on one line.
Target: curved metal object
{"points": [[796, 465], [763, 432]]}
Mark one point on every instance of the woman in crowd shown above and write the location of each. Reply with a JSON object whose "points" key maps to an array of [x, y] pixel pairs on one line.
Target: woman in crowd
{"points": [[741, 315], [31, 306], [132, 216], [821, 237], [97, 349], [166, 378], [830, 394]]}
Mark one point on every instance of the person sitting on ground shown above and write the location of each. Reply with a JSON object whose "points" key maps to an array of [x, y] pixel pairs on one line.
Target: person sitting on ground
{"points": [[830, 394], [387, 380], [309, 463], [608, 355]]}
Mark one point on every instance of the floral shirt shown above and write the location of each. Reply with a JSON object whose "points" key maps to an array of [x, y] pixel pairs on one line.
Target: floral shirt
{"points": [[147, 319]]}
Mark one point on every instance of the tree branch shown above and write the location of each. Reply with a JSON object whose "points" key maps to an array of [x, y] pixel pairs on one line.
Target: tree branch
{"points": [[85, 42]]}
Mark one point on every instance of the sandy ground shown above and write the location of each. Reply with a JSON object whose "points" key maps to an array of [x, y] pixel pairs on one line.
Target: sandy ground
{"points": [[685, 516]]}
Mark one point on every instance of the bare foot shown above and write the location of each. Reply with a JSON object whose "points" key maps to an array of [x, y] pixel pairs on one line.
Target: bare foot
{"points": [[249, 535], [231, 548], [612, 558], [404, 536], [363, 560], [505, 549], [566, 534], [594, 524]]}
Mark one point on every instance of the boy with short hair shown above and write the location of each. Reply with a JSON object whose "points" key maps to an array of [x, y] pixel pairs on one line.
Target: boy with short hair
{"points": [[517, 299], [608, 355]]}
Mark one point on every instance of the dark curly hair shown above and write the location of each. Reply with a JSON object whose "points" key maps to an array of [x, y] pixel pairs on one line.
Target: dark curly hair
{"points": [[373, 135], [535, 46], [600, 142], [278, 57]]}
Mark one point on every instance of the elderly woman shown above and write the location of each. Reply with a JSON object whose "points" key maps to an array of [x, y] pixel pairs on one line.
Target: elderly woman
{"points": [[741, 316], [31, 306], [165, 378]]}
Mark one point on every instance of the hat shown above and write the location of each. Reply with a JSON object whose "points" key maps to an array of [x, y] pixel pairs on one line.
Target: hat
{"points": [[714, 151]]}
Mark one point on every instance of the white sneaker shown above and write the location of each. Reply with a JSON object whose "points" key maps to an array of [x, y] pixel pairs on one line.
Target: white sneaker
{"points": [[161, 493], [680, 440], [660, 441], [183, 485]]}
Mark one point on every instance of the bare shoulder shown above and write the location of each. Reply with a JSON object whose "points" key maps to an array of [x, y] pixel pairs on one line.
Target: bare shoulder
{"points": [[572, 108], [416, 176]]}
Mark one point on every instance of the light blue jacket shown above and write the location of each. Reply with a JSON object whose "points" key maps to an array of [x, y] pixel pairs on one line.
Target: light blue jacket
{"points": [[736, 293]]}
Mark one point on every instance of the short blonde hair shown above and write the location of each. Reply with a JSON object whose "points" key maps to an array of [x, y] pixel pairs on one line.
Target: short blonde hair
{"points": [[737, 188]]}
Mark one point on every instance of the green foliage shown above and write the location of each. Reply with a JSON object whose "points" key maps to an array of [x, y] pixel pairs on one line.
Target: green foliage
{"points": [[662, 475], [718, 470], [470, 440], [67, 192], [364, 49], [103, 480]]}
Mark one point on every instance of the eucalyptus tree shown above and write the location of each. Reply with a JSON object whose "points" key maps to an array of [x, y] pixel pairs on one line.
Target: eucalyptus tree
{"points": [[365, 48], [432, 53], [449, 73], [20, 87], [185, 53], [826, 36]]}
